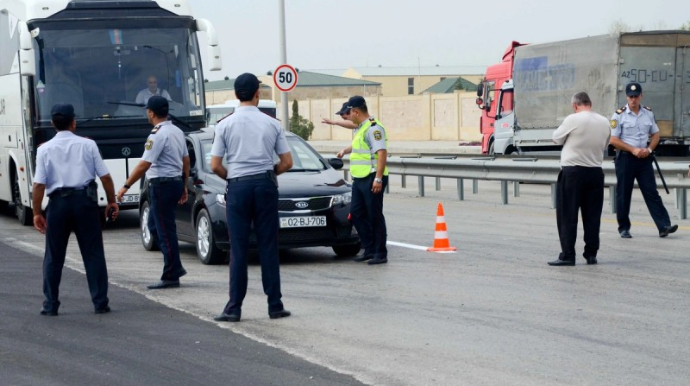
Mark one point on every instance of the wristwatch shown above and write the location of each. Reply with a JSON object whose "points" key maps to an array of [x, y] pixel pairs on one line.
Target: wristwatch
{"points": [[380, 181]]}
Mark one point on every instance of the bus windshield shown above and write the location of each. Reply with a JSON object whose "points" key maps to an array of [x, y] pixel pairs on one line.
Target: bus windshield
{"points": [[110, 73]]}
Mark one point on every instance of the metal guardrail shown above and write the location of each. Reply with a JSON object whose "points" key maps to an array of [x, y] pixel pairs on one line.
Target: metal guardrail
{"points": [[530, 170]]}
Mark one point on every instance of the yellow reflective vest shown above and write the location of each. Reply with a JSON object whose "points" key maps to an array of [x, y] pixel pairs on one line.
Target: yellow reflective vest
{"points": [[362, 161]]}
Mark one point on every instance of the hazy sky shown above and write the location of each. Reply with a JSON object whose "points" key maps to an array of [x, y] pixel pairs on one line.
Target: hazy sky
{"points": [[327, 34]]}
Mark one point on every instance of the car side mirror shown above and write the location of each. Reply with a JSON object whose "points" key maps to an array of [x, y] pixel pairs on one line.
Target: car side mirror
{"points": [[337, 163]]}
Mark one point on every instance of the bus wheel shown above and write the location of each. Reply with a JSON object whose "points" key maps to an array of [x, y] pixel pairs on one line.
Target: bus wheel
{"points": [[24, 214]]}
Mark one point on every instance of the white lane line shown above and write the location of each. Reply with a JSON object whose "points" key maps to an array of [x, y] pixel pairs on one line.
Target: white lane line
{"points": [[412, 246]]}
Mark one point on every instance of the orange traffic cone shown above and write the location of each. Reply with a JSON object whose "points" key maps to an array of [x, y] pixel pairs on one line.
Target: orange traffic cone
{"points": [[441, 242]]}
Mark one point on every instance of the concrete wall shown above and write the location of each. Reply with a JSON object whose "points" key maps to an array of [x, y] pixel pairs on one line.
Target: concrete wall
{"points": [[435, 117]]}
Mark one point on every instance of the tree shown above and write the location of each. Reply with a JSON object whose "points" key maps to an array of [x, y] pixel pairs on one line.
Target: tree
{"points": [[300, 125], [269, 72], [227, 77], [685, 26]]}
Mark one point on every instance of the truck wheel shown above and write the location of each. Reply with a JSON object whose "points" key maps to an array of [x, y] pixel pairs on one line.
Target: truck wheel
{"points": [[24, 214], [206, 248], [348, 250], [148, 239], [491, 149]]}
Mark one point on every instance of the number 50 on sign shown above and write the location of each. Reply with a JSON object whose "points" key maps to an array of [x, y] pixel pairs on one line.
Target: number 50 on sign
{"points": [[285, 77]]}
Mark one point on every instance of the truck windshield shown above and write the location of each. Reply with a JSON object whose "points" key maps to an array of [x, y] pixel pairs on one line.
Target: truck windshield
{"points": [[109, 73]]}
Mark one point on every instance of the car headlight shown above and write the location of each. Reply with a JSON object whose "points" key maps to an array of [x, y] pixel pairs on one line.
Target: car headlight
{"points": [[343, 199], [220, 199]]}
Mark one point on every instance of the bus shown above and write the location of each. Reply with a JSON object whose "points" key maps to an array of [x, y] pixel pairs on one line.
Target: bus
{"points": [[97, 56]]}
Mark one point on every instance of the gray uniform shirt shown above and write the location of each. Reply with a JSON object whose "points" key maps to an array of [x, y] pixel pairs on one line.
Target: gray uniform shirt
{"points": [[634, 129], [68, 161], [164, 149], [375, 136], [249, 139]]}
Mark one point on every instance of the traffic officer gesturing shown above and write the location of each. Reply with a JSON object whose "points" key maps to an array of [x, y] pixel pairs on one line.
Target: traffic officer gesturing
{"points": [[370, 174], [249, 139], [166, 165], [632, 127], [65, 170]]}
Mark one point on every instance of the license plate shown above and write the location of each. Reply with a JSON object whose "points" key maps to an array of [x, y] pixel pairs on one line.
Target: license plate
{"points": [[302, 222], [130, 198]]}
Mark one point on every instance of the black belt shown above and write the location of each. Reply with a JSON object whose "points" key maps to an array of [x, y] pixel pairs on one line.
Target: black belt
{"points": [[250, 177], [62, 192], [158, 180]]}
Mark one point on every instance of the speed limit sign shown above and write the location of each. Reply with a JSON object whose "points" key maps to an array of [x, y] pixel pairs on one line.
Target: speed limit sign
{"points": [[285, 77]]}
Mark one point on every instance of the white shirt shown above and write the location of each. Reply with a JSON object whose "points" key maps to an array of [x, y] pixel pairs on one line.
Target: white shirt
{"points": [[68, 161], [585, 137], [145, 94]]}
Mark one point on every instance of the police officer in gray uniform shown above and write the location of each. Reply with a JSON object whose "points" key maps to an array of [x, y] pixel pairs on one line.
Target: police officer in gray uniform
{"points": [[635, 135], [249, 139], [65, 170], [166, 165]]}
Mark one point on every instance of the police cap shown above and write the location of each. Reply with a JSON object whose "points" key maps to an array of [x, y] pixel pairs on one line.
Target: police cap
{"points": [[633, 89], [65, 110], [356, 101], [158, 105], [344, 109]]}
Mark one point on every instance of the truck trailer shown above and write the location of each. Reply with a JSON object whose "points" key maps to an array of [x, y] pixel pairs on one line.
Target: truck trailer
{"points": [[97, 56], [526, 96]]}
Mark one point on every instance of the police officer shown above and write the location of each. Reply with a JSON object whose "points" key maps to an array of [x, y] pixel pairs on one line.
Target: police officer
{"points": [[166, 165], [65, 170], [249, 139], [370, 178], [635, 135]]}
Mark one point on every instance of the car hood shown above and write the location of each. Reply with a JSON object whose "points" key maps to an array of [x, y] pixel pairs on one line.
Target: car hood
{"points": [[299, 184]]}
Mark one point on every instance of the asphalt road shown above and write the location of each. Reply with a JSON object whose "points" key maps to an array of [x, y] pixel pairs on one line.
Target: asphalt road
{"points": [[491, 314]]}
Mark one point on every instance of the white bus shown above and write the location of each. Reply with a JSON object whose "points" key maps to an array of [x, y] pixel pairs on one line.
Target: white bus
{"points": [[97, 56], [215, 113]]}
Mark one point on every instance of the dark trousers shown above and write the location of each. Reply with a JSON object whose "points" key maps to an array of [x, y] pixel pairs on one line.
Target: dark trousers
{"points": [[253, 202], [164, 197], [79, 214], [579, 188], [367, 215], [629, 168]]}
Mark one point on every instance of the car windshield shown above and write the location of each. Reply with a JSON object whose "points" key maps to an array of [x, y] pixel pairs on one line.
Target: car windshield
{"points": [[304, 158]]}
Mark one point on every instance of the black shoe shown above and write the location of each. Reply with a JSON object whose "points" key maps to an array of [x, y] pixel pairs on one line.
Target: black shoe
{"points": [[227, 317], [561, 263], [668, 230], [626, 234], [364, 257], [279, 314], [164, 284], [48, 312], [103, 310], [378, 260], [591, 260], [184, 272]]}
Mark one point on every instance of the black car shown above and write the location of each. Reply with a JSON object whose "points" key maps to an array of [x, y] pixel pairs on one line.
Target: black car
{"points": [[314, 204]]}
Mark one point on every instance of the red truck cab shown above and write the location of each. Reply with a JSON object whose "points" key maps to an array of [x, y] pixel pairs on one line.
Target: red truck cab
{"points": [[487, 99]]}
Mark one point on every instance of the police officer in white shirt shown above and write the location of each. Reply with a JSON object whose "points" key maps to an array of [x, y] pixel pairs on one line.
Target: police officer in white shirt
{"points": [[249, 139], [65, 170], [635, 135], [166, 165]]}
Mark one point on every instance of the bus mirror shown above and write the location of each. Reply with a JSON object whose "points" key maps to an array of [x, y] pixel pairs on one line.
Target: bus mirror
{"points": [[27, 62], [215, 61], [206, 26], [480, 89], [25, 42]]}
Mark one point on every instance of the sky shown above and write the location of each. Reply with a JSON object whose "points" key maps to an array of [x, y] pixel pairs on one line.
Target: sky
{"points": [[327, 34]]}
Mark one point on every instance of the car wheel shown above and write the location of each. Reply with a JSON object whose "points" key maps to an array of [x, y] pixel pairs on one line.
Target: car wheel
{"points": [[206, 248], [24, 214], [148, 239], [348, 250]]}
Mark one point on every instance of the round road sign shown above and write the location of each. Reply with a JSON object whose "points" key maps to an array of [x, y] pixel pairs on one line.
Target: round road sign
{"points": [[285, 77]]}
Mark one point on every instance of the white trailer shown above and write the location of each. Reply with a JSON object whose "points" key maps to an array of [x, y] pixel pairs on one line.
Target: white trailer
{"points": [[96, 55]]}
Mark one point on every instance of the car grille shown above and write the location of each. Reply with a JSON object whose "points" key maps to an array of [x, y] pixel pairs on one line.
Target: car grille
{"points": [[313, 204]]}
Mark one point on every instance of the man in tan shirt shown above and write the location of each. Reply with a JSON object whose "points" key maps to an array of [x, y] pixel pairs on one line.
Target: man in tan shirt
{"points": [[585, 136]]}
